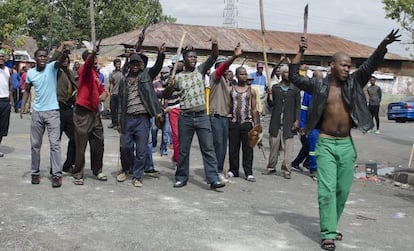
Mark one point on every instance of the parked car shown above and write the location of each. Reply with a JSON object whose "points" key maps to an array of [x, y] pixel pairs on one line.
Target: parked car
{"points": [[401, 111]]}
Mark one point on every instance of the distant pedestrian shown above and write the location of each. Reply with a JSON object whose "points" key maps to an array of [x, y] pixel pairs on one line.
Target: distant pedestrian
{"points": [[115, 79], [87, 119], [338, 104], [16, 79], [6, 97], [260, 83], [375, 95]]}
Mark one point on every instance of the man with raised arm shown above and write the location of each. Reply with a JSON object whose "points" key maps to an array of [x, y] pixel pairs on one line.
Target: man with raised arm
{"points": [[338, 104]]}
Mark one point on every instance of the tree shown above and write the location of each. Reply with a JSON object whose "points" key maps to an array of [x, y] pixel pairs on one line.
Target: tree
{"points": [[403, 12], [52, 21]]}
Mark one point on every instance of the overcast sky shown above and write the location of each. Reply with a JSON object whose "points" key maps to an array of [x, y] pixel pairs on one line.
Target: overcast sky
{"points": [[362, 21]]}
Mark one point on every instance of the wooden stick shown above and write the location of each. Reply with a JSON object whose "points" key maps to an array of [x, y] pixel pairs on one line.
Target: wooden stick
{"points": [[411, 156], [92, 14], [264, 43], [180, 47]]}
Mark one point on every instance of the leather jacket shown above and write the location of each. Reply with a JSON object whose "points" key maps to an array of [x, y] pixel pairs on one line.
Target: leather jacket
{"points": [[146, 93], [352, 93]]}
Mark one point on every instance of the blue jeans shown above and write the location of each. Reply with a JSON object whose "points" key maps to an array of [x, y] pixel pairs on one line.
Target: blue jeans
{"points": [[136, 138], [149, 162], [220, 127], [166, 136], [188, 124]]}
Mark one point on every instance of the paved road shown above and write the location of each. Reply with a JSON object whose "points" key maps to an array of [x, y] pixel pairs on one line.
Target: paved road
{"points": [[271, 214]]}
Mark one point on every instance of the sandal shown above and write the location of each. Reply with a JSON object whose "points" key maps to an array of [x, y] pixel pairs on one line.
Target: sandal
{"points": [[78, 181], [339, 236], [286, 175], [328, 244], [101, 177]]}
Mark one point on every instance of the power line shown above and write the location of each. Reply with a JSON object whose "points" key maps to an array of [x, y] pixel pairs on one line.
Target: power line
{"points": [[230, 13]]}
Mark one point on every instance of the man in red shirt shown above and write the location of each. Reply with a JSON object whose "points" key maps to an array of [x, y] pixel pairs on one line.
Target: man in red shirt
{"points": [[87, 120]]}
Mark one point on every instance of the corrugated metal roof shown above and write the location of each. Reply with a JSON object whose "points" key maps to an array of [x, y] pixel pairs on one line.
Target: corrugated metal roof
{"points": [[279, 42]]}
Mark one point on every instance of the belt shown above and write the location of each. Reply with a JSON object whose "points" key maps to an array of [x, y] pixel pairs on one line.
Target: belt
{"points": [[136, 116], [193, 114], [4, 99]]}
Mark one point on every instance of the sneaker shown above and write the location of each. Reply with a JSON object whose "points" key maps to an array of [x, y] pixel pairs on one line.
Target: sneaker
{"points": [[152, 173], [251, 178], [217, 184], [230, 174], [297, 168], [222, 178], [56, 181], [269, 171], [121, 177], [111, 126], [35, 179], [178, 184], [164, 152], [1, 154], [377, 132], [136, 182]]}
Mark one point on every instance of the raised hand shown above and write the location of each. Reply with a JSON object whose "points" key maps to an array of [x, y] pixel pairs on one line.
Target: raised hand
{"points": [[238, 51], [161, 49], [391, 38], [303, 44]]}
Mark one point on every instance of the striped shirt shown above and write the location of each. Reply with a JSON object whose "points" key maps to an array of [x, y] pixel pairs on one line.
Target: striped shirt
{"points": [[242, 105]]}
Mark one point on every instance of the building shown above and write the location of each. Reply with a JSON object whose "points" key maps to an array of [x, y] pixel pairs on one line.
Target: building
{"points": [[321, 46]]}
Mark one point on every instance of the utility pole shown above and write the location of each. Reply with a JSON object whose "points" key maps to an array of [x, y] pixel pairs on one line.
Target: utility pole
{"points": [[230, 13], [92, 15]]}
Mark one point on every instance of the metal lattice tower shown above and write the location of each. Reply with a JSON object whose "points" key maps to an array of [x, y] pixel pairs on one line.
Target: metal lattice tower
{"points": [[230, 13]]}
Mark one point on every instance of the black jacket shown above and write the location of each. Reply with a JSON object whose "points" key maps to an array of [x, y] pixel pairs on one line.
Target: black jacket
{"points": [[352, 93], [287, 102], [146, 92]]}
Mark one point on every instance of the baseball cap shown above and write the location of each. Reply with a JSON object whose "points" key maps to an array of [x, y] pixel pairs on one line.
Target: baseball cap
{"points": [[220, 59], [136, 57]]}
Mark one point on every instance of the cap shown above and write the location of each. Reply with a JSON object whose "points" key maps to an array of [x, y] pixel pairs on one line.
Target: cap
{"points": [[174, 59], [260, 65], [135, 57], [220, 59], [85, 54], [284, 68]]}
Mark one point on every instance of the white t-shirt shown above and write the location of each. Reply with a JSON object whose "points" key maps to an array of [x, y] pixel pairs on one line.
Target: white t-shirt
{"points": [[4, 82]]}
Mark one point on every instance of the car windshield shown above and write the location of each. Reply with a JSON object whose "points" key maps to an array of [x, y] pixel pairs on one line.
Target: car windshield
{"points": [[409, 99]]}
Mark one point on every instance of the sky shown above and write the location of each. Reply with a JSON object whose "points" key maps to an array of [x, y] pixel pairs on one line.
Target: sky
{"points": [[361, 21]]}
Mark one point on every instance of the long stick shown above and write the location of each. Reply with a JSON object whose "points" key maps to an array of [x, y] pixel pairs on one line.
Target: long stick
{"points": [[411, 156], [264, 42], [92, 14], [180, 47]]}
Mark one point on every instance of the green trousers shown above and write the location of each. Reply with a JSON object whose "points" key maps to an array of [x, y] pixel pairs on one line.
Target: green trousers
{"points": [[335, 159]]}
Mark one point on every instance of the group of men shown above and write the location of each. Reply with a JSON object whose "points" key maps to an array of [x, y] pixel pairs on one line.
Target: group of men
{"points": [[338, 104]]}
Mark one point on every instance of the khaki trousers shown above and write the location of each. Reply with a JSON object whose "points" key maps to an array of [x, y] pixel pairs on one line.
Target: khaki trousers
{"points": [[279, 144]]}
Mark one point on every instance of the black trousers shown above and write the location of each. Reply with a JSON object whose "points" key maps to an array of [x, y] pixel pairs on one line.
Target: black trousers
{"points": [[67, 127], [238, 136], [5, 108], [374, 110], [303, 154], [114, 102]]}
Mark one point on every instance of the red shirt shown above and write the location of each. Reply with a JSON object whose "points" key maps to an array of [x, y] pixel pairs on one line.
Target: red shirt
{"points": [[89, 86]]}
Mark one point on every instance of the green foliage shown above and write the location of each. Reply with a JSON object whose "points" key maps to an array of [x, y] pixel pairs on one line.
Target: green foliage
{"points": [[52, 21], [402, 11]]}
